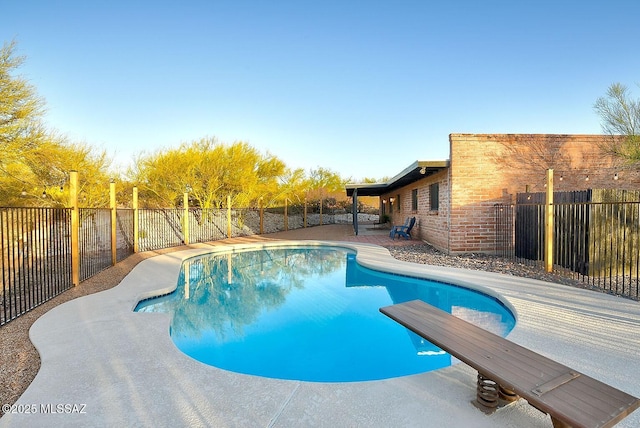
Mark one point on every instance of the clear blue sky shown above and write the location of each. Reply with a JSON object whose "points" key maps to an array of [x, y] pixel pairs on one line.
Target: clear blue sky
{"points": [[361, 87]]}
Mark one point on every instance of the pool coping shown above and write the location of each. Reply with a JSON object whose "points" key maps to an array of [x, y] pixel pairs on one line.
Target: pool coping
{"points": [[121, 367]]}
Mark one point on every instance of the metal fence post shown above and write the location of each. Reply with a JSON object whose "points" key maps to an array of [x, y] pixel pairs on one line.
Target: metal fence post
{"points": [[136, 224], [75, 228], [549, 224], [114, 237], [185, 222]]}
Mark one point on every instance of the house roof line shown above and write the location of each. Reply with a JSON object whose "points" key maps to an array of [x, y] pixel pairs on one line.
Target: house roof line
{"points": [[414, 172]]}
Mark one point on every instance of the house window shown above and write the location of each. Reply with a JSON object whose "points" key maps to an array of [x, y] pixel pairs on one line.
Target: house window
{"points": [[414, 200], [398, 199], [434, 196]]}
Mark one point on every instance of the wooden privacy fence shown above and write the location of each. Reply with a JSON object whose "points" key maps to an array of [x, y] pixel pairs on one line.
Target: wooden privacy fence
{"points": [[595, 236]]}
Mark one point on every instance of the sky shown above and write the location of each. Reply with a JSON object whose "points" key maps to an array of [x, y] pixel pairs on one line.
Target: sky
{"points": [[363, 88]]}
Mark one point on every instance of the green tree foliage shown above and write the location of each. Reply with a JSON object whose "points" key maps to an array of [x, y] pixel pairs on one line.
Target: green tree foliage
{"points": [[93, 170], [20, 109], [210, 171], [35, 162], [327, 187], [49, 182], [292, 187], [21, 134], [323, 181], [374, 180], [620, 116]]}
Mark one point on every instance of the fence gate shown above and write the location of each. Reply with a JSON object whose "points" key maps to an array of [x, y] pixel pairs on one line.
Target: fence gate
{"points": [[521, 228], [572, 213], [529, 226]]}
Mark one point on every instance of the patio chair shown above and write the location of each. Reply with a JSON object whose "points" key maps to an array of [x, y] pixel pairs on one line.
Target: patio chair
{"points": [[393, 228], [404, 230]]}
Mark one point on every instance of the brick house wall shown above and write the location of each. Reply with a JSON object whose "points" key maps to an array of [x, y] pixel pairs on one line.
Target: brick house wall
{"points": [[487, 169], [431, 225]]}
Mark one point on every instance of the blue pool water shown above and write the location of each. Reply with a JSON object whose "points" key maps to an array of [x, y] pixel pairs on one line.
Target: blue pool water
{"points": [[309, 313]]}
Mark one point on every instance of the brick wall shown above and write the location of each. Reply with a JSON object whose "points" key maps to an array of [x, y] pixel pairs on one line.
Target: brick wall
{"points": [[431, 226], [490, 169], [487, 169]]}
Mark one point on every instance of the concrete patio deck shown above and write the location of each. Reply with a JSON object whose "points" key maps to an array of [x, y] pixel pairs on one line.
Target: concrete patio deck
{"points": [[120, 368]]}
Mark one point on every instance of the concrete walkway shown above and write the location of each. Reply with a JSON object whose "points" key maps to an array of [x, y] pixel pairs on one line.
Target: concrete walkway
{"points": [[104, 365]]}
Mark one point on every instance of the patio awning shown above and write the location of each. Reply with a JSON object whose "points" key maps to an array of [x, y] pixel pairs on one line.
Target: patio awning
{"points": [[414, 172]]}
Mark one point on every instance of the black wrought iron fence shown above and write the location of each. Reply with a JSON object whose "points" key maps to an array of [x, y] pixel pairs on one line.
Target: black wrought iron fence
{"points": [[596, 237], [160, 228], [505, 223], [35, 258], [124, 234], [207, 224], [316, 217], [571, 236], [212, 224], [37, 245], [614, 247], [94, 241], [273, 220], [246, 222], [296, 216]]}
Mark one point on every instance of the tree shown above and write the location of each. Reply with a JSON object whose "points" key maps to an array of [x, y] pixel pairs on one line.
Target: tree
{"points": [[322, 183], [291, 186], [621, 120], [35, 162], [92, 166], [20, 108], [21, 133], [210, 171], [325, 180]]}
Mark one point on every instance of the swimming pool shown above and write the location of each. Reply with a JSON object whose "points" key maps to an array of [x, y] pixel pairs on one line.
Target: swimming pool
{"points": [[309, 313]]}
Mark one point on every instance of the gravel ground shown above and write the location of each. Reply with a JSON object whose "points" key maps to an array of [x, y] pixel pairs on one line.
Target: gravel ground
{"points": [[19, 362], [426, 254]]}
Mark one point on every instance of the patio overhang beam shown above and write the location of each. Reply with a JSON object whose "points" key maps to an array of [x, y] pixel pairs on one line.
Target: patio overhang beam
{"points": [[414, 172]]}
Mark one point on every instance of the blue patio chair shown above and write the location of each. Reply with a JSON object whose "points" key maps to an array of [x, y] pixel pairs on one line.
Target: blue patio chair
{"points": [[404, 230], [393, 228]]}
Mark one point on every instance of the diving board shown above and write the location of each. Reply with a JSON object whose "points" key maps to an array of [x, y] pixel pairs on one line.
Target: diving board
{"points": [[507, 371]]}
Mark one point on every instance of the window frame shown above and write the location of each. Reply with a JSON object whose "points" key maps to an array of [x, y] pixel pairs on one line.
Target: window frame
{"points": [[414, 200], [434, 197]]}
